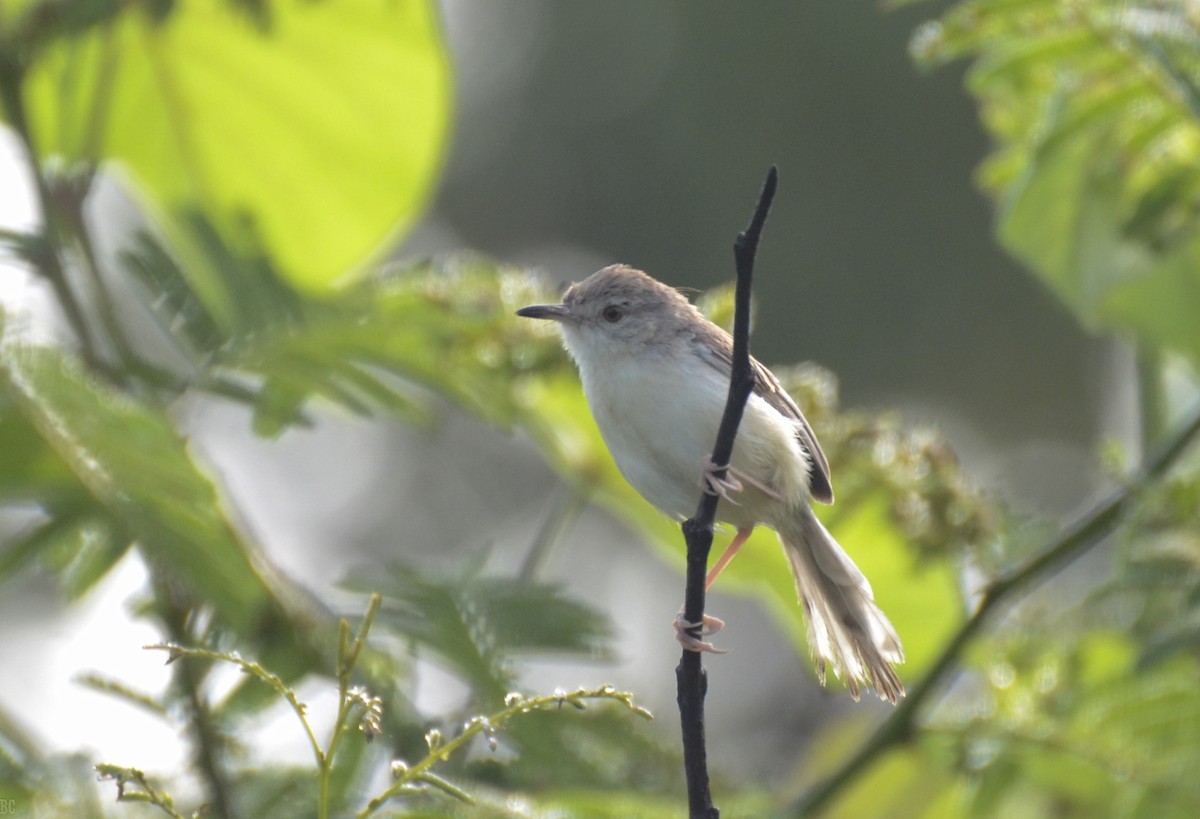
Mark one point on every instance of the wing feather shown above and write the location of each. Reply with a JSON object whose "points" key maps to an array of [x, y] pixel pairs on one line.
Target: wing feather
{"points": [[767, 387]]}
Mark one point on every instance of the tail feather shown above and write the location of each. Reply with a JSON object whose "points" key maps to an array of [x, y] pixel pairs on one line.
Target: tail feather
{"points": [[846, 629]]}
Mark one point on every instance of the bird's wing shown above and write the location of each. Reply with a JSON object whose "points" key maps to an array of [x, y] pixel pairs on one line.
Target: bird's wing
{"points": [[767, 386]]}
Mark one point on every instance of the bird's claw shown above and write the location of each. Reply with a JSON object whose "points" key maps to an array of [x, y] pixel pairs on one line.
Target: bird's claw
{"points": [[721, 487], [708, 625], [734, 481]]}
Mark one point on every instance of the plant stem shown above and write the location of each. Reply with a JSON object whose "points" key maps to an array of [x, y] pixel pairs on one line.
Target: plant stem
{"points": [[325, 760], [105, 307], [489, 724], [348, 652], [48, 262], [205, 736], [1076, 539], [690, 681]]}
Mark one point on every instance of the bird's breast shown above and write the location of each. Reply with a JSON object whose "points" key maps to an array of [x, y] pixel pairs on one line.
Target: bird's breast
{"points": [[659, 418]]}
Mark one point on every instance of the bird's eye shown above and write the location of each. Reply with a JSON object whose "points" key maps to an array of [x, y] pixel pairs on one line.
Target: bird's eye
{"points": [[612, 313]]}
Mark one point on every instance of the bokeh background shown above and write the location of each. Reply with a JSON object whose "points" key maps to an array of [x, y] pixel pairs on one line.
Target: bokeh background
{"points": [[640, 133], [587, 134]]}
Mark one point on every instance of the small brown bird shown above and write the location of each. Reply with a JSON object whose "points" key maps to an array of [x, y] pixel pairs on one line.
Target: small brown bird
{"points": [[656, 373]]}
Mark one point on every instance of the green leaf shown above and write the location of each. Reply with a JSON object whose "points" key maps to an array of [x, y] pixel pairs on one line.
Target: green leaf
{"points": [[1082, 728], [600, 748], [134, 467], [390, 342], [95, 549], [29, 470], [476, 624], [175, 303], [1062, 220], [1095, 111], [70, 532], [320, 126], [1159, 305]]}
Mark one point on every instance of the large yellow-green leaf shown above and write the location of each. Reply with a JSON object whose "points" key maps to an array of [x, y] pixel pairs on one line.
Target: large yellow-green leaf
{"points": [[318, 125]]}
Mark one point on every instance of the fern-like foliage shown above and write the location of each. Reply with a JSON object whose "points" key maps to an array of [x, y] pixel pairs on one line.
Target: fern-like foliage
{"points": [[386, 343], [477, 624], [1094, 106]]}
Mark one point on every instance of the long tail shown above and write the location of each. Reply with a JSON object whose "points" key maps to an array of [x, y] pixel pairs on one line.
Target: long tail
{"points": [[846, 630]]}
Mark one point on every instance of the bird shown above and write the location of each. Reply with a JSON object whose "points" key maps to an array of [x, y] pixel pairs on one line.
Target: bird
{"points": [[656, 372]]}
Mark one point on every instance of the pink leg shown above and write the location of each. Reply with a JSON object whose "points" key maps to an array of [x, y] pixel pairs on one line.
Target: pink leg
{"points": [[730, 551]]}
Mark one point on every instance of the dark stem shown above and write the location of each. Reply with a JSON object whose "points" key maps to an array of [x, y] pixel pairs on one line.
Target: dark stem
{"points": [[691, 682], [1085, 533], [62, 215], [48, 263], [207, 743], [105, 307]]}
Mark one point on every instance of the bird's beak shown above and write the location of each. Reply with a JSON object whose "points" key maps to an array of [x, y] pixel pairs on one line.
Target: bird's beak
{"points": [[553, 312]]}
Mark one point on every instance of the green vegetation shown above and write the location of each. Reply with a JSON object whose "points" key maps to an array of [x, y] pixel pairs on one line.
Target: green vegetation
{"points": [[255, 259]]}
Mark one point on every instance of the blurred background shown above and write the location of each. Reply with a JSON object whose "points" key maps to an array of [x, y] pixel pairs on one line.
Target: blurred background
{"points": [[587, 134], [640, 133]]}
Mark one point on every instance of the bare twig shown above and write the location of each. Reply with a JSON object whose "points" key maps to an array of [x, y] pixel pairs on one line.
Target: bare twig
{"points": [[691, 683]]}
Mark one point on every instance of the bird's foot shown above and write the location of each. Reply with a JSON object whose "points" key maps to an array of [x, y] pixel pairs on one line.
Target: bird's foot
{"points": [[735, 480], [708, 625], [721, 487]]}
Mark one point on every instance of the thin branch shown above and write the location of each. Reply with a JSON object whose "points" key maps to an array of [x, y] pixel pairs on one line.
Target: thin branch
{"points": [[144, 791], [105, 306], [691, 683], [176, 650], [1085, 533], [348, 651], [48, 263], [514, 706], [205, 735]]}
